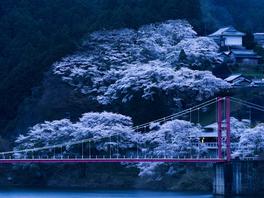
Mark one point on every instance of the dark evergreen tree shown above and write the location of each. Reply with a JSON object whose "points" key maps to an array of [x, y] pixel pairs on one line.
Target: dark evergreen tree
{"points": [[36, 33], [248, 41], [182, 56]]}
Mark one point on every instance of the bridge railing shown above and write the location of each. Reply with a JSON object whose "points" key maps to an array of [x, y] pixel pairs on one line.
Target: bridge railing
{"points": [[214, 145]]}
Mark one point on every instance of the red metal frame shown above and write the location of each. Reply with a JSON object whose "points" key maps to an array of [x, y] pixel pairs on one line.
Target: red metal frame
{"points": [[228, 130], [166, 160], [219, 123], [132, 160]]}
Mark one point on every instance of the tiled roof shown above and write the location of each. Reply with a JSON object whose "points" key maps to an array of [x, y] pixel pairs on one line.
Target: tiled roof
{"points": [[227, 31], [232, 77], [245, 53]]}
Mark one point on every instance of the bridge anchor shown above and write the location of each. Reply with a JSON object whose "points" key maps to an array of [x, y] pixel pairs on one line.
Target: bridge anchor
{"points": [[239, 178]]}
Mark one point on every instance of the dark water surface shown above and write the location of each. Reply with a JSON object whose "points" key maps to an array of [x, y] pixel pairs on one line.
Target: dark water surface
{"points": [[27, 193], [96, 194]]}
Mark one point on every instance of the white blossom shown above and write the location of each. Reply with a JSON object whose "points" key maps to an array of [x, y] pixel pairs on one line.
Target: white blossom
{"points": [[107, 57], [102, 129], [252, 142], [175, 138], [149, 79], [197, 48]]}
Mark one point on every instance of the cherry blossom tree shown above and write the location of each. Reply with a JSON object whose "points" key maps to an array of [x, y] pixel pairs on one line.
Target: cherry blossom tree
{"points": [[251, 142], [104, 130]]}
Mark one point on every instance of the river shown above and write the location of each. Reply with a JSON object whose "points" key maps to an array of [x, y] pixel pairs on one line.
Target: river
{"points": [[27, 193], [96, 194]]}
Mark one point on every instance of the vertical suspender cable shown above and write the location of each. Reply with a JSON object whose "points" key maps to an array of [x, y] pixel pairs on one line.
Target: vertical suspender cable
{"points": [[61, 153], [250, 116], [190, 114], [228, 129], [82, 149], [89, 148], [110, 152], [198, 118], [219, 124], [137, 148]]}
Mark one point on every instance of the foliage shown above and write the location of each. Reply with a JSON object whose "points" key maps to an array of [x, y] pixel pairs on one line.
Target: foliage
{"points": [[133, 55], [252, 142], [202, 52], [243, 14], [129, 71], [148, 80], [173, 139], [260, 51], [238, 128], [103, 129], [36, 33], [114, 67], [182, 56], [98, 127], [108, 131], [249, 41]]}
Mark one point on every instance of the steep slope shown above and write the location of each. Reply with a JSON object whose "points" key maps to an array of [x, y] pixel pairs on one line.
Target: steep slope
{"points": [[127, 71], [36, 33]]}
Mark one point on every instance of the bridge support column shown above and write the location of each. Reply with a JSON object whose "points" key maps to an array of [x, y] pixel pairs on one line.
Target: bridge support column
{"points": [[219, 123], [239, 178], [222, 179], [228, 129]]}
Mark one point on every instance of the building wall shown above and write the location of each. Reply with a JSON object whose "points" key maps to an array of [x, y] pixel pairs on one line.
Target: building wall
{"points": [[247, 61], [233, 41], [259, 38]]}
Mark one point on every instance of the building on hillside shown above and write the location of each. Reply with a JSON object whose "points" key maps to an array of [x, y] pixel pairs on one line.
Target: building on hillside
{"points": [[228, 37], [242, 56], [238, 80], [246, 57], [257, 83], [209, 137], [231, 42], [259, 39]]}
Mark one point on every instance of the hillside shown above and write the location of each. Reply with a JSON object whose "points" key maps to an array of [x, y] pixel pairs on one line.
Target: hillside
{"points": [[245, 15], [34, 34], [127, 71], [94, 69]]}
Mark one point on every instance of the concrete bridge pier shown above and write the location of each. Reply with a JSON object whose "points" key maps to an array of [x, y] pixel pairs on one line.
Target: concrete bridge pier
{"points": [[222, 184], [239, 178]]}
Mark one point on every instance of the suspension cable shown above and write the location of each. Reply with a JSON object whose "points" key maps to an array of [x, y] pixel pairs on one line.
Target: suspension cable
{"points": [[248, 105], [173, 116], [167, 118]]}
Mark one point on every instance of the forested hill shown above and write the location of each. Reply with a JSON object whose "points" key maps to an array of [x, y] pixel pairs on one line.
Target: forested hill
{"points": [[36, 33], [245, 15]]}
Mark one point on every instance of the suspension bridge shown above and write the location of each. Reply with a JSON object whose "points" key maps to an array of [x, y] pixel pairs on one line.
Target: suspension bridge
{"points": [[61, 153]]}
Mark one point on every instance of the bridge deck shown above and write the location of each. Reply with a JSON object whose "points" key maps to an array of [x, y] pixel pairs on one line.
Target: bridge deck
{"points": [[112, 160]]}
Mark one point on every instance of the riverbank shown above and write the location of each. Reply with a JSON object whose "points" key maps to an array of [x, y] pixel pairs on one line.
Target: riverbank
{"points": [[169, 177]]}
